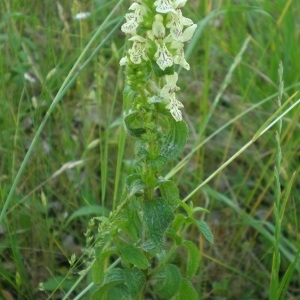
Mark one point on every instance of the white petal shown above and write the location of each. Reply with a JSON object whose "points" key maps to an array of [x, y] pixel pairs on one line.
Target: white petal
{"points": [[123, 61], [138, 38], [158, 29], [179, 3], [174, 106], [164, 58], [187, 21], [188, 33], [134, 6], [130, 27], [176, 113], [164, 6], [172, 79], [164, 92], [180, 60]]}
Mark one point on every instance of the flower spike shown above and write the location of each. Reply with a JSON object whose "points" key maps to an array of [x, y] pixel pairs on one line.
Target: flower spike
{"points": [[157, 38]]}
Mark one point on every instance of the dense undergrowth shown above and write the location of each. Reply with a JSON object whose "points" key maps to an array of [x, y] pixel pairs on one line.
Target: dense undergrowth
{"points": [[81, 159]]}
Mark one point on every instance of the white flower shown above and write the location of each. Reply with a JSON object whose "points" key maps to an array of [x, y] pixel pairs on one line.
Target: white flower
{"points": [[164, 6], [138, 49], [174, 106], [163, 57], [133, 18], [168, 94], [179, 58], [170, 86], [131, 25], [82, 15], [158, 28], [176, 24]]}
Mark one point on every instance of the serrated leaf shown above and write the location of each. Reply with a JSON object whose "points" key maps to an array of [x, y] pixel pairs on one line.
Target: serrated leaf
{"points": [[131, 223], [193, 258], [135, 280], [168, 281], [119, 292], [134, 124], [135, 256], [169, 191], [112, 278], [186, 291], [158, 215], [205, 230], [175, 140], [134, 184]]}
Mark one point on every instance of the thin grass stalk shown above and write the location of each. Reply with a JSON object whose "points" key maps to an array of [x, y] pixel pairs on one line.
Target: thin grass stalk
{"points": [[278, 115], [276, 252], [72, 76]]}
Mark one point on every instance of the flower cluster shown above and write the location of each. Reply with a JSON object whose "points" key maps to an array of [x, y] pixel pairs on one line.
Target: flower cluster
{"points": [[158, 32]]}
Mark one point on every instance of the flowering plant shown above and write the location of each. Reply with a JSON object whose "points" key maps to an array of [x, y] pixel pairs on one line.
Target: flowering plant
{"points": [[140, 237]]}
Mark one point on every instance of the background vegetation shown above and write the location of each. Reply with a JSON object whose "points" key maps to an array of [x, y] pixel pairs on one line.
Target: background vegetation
{"points": [[82, 156]]}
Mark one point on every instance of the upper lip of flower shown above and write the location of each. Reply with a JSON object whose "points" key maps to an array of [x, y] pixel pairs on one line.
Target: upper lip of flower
{"points": [[164, 6]]}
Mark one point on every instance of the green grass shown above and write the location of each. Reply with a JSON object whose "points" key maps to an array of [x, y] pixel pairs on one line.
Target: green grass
{"points": [[81, 155]]}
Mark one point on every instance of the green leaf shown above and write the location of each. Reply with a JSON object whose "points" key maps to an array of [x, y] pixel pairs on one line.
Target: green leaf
{"points": [[193, 258], [119, 292], [175, 140], [171, 234], [134, 184], [128, 94], [169, 191], [134, 124], [135, 280], [186, 291], [134, 255], [97, 267], [130, 222], [112, 278], [202, 225], [168, 281], [180, 219], [158, 215], [88, 210]]}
